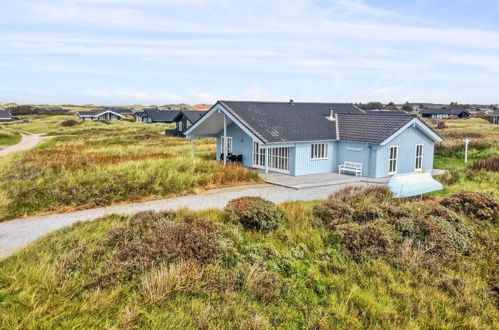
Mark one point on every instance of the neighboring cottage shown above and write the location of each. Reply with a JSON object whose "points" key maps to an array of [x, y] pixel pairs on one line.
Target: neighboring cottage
{"points": [[495, 117], [5, 115], [480, 111], [99, 115], [444, 113], [122, 111], [184, 120], [311, 138], [154, 115]]}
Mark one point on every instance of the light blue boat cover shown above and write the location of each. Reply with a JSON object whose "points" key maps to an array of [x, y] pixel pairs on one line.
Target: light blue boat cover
{"points": [[413, 184]]}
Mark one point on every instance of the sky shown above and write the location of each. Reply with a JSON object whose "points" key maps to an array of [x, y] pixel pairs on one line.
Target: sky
{"points": [[126, 52]]}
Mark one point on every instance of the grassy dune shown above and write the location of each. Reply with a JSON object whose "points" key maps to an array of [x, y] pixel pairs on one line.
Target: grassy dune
{"points": [[95, 164], [8, 137], [350, 262]]}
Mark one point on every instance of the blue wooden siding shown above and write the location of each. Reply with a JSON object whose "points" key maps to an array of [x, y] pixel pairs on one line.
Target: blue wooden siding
{"points": [[304, 164], [373, 157], [359, 152], [242, 144], [406, 160]]}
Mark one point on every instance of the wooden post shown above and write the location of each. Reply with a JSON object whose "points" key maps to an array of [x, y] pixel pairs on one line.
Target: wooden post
{"points": [[192, 148], [466, 141], [224, 144]]}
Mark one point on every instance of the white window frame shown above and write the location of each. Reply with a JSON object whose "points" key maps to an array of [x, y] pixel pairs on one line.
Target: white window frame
{"points": [[419, 158], [279, 158], [395, 159], [229, 145], [319, 151]]}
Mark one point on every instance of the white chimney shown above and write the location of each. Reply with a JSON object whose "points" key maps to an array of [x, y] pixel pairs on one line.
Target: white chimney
{"points": [[332, 115]]}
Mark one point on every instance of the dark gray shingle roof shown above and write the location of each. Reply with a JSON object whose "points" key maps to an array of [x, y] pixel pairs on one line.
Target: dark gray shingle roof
{"points": [[442, 111], [161, 115], [193, 115], [121, 111], [286, 121], [4, 114], [373, 128]]}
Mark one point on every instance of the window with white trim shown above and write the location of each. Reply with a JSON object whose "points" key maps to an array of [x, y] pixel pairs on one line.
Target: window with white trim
{"points": [[180, 125], [229, 144], [392, 168], [318, 151], [419, 157]]}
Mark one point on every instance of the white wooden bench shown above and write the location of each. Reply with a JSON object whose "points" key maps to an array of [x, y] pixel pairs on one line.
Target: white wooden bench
{"points": [[350, 167]]}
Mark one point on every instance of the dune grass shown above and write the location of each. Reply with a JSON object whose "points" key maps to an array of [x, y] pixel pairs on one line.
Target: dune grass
{"points": [[95, 164], [8, 137], [478, 174], [200, 270]]}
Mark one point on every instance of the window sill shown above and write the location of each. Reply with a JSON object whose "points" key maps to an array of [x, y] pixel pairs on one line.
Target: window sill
{"points": [[319, 158]]}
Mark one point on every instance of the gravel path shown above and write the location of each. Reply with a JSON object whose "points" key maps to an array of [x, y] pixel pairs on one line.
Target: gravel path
{"points": [[27, 142], [16, 234]]}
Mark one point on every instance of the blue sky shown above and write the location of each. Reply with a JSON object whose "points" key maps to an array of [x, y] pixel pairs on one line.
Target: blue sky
{"points": [[114, 52]]}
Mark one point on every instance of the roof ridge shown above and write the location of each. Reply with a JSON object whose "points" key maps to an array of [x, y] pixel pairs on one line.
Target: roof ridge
{"points": [[284, 102]]}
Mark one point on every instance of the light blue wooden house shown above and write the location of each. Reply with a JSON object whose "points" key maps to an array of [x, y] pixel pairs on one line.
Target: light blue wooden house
{"points": [[310, 138]]}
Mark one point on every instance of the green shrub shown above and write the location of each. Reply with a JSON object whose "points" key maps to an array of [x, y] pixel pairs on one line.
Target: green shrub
{"points": [[255, 213], [489, 164], [332, 212], [151, 239], [405, 226], [365, 211], [70, 123], [372, 239], [444, 237], [481, 206], [266, 286]]}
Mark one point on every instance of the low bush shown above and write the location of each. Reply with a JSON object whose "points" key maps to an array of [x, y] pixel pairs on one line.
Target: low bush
{"points": [[360, 204], [489, 164], [477, 205], [184, 276], [265, 285], [372, 239], [332, 212], [255, 213], [369, 223], [441, 125], [70, 123], [150, 239]]}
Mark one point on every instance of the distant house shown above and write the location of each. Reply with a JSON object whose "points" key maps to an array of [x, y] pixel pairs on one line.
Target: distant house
{"points": [[99, 115], [122, 111], [444, 113], [310, 138], [495, 117], [480, 111], [5, 115], [184, 120], [154, 115]]}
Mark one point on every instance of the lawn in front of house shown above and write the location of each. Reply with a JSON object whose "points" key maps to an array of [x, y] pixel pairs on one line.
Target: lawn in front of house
{"points": [[91, 164]]}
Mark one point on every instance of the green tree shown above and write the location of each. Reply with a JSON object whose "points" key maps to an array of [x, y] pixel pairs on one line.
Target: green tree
{"points": [[407, 107]]}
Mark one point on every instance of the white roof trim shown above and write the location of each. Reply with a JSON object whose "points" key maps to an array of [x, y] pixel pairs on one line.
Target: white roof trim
{"points": [[421, 125], [220, 107]]}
